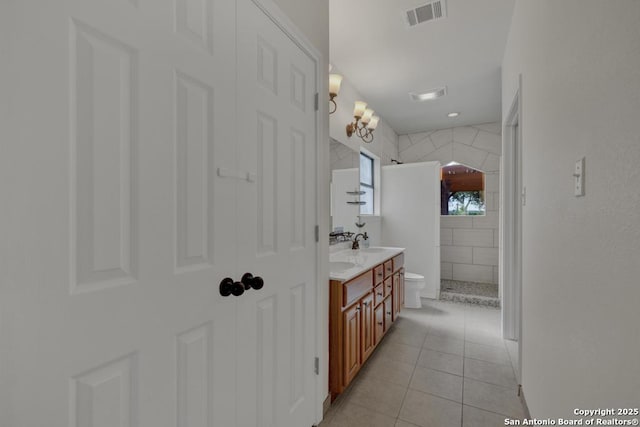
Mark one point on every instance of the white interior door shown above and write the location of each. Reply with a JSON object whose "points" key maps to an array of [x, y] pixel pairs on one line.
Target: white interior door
{"points": [[117, 231], [277, 145]]}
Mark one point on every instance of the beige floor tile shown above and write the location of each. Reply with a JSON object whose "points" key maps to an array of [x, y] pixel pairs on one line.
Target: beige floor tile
{"points": [[437, 383], [493, 373], [414, 338], [426, 410], [487, 353], [445, 362], [379, 396], [384, 369], [484, 337], [399, 352], [444, 345], [353, 415], [447, 331], [492, 398], [400, 423], [474, 417]]}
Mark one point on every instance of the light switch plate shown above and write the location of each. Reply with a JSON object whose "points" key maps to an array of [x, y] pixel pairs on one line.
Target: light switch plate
{"points": [[578, 175]]}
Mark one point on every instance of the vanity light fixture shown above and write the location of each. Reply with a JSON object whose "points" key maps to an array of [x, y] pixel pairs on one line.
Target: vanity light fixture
{"points": [[365, 122], [335, 80]]}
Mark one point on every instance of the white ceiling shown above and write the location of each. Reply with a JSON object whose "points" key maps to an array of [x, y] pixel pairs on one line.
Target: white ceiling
{"points": [[384, 59]]}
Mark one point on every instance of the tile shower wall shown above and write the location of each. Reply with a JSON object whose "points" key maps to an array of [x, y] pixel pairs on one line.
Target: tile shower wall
{"points": [[468, 245]]}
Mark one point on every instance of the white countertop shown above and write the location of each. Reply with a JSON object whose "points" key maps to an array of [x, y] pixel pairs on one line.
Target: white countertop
{"points": [[363, 260]]}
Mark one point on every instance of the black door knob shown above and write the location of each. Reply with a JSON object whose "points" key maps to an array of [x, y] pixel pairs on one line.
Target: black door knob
{"points": [[249, 281], [237, 289], [225, 286]]}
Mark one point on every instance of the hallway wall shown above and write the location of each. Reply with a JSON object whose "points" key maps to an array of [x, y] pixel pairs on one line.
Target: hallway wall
{"points": [[580, 66], [468, 245]]}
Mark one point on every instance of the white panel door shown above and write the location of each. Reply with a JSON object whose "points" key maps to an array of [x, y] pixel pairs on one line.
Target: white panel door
{"points": [[276, 212], [120, 230]]}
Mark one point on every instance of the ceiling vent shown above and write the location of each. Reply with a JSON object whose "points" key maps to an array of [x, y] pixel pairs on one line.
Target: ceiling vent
{"points": [[427, 12]]}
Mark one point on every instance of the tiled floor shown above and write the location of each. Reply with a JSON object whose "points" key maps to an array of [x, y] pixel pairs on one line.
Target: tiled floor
{"points": [[444, 365]]}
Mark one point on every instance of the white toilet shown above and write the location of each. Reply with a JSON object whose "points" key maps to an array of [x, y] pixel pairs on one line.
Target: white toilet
{"points": [[413, 284]]}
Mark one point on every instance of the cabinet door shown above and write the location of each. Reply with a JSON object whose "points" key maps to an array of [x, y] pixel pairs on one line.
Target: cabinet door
{"points": [[388, 286], [401, 305], [368, 339], [379, 323], [388, 313], [351, 325], [396, 294]]}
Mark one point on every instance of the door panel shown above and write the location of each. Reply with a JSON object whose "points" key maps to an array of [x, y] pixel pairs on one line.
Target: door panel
{"points": [[367, 327], [276, 216], [117, 319], [352, 351]]}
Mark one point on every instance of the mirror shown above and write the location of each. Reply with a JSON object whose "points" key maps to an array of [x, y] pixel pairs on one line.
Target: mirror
{"points": [[462, 190], [342, 156], [345, 186]]}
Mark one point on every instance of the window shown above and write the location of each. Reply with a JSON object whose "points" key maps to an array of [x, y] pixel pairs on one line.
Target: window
{"points": [[462, 190], [366, 184]]}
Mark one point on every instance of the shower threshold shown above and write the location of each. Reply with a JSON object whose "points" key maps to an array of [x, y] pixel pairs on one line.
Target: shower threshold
{"points": [[470, 292]]}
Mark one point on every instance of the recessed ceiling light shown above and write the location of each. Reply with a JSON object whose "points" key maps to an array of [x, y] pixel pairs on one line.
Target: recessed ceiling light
{"points": [[430, 94], [454, 114]]}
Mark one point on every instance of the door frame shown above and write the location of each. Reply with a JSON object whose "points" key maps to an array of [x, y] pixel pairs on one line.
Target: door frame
{"points": [[511, 224], [321, 351]]}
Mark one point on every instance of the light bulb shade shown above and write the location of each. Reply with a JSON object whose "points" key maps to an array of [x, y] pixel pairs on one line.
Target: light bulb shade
{"points": [[335, 80], [359, 109], [373, 123], [366, 117]]}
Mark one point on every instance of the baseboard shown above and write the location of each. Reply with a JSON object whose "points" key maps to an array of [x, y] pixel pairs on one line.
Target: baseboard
{"points": [[527, 414], [326, 405]]}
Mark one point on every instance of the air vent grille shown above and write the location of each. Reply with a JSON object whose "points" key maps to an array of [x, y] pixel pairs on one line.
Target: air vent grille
{"points": [[428, 12]]}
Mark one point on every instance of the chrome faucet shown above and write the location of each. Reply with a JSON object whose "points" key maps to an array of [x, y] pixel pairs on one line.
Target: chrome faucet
{"points": [[356, 244]]}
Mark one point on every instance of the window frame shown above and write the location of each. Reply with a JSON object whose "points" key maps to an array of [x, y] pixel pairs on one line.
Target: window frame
{"points": [[370, 186]]}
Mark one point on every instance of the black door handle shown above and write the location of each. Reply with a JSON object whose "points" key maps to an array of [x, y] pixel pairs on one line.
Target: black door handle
{"points": [[250, 281], [225, 286]]}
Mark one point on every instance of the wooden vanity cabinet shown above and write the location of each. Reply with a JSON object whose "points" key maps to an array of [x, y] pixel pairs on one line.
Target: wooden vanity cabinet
{"points": [[352, 351], [368, 338], [379, 322], [361, 311]]}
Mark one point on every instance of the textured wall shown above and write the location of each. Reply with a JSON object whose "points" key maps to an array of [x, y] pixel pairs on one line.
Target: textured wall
{"points": [[580, 67], [468, 244]]}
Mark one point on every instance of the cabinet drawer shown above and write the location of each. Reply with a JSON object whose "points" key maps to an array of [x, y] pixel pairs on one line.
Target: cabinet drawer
{"points": [[378, 294], [388, 268], [378, 274], [388, 286], [398, 262], [355, 288]]}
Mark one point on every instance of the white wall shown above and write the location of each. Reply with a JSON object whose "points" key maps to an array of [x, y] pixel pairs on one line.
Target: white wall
{"points": [[411, 218], [385, 141], [468, 245], [580, 66]]}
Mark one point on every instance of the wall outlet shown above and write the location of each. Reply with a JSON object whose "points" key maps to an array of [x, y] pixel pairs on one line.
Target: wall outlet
{"points": [[578, 175]]}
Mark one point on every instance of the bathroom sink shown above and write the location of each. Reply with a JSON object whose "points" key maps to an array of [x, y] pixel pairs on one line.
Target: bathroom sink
{"points": [[338, 266], [372, 250]]}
